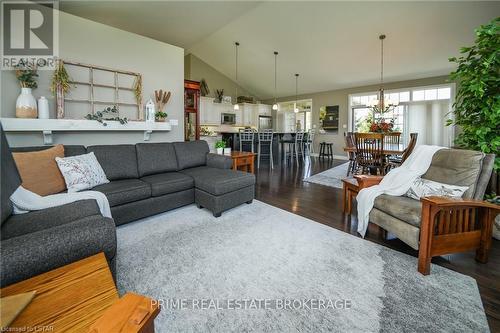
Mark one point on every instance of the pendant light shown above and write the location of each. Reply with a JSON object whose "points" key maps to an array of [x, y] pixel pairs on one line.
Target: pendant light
{"points": [[275, 105], [295, 107], [236, 105], [381, 103]]}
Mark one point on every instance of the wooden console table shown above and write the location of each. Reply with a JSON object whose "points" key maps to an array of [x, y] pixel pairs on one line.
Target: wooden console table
{"points": [[243, 160], [81, 297]]}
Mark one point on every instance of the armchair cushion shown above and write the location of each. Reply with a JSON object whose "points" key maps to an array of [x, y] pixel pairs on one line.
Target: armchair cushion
{"points": [[456, 167], [402, 208]]}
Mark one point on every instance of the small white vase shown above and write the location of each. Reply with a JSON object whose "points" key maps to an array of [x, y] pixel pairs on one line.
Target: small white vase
{"points": [[220, 151], [43, 108], [227, 151], [26, 104]]}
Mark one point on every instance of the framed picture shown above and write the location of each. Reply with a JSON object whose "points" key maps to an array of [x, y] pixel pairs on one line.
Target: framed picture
{"points": [[226, 99], [329, 118]]}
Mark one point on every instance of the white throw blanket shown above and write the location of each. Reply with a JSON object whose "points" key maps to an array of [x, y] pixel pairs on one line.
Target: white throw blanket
{"points": [[25, 201], [396, 182]]}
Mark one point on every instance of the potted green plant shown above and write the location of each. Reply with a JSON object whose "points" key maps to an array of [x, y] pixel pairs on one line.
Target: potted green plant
{"points": [[160, 116], [219, 146], [477, 105], [26, 102]]}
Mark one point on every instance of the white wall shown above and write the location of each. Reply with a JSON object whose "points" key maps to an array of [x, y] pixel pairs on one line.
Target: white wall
{"points": [[81, 40]]}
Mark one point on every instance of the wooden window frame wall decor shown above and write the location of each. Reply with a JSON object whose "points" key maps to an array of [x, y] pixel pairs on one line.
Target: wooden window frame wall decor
{"points": [[61, 99]]}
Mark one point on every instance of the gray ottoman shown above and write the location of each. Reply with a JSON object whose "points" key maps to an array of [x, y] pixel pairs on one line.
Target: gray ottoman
{"points": [[221, 189]]}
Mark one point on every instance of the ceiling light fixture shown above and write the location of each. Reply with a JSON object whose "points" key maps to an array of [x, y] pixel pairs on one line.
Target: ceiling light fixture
{"points": [[236, 105], [275, 105], [381, 104], [295, 107]]}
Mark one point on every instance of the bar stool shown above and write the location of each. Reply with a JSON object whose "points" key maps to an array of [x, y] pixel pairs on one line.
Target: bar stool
{"points": [[265, 138], [326, 150], [246, 137], [296, 147]]}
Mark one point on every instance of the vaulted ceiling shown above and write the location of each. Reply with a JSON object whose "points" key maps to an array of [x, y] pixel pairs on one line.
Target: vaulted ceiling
{"points": [[333, 45]]}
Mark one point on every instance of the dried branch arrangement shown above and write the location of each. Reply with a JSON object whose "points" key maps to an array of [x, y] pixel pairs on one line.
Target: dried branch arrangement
{"points": [[161, 99], [138, 96]]}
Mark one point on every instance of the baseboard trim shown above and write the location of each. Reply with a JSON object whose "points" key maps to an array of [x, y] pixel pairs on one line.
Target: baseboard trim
{"points": [[337, 157]]}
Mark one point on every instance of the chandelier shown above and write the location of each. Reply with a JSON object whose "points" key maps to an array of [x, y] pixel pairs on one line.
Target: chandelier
{"points": [[382, 105]]}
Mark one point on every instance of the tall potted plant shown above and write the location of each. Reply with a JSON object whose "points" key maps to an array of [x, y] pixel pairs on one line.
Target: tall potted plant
{"points": [[477, 103]]}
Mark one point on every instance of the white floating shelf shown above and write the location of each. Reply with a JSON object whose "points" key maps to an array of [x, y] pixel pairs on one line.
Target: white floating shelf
{"points": [[47, 126]]}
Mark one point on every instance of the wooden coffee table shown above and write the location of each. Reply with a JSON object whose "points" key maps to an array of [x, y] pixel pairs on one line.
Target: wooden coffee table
{"points": [[243, 160], [74, 297]]}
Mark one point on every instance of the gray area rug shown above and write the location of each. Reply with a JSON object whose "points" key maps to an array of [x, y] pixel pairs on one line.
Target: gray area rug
{"points": [[258, 253], [331, 177]]}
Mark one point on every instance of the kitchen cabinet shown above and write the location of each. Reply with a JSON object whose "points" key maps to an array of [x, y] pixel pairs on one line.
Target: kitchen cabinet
{"points": [[264, 109], [210, 112], [250, 115]]}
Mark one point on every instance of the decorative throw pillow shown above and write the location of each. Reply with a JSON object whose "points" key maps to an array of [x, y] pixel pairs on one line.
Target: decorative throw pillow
{"points": [[424, 188], [81, 172], [39, 172]]}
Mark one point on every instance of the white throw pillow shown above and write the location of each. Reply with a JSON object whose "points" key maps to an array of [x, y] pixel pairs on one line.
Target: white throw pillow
{"points": [[425, 188], [81, 172]]}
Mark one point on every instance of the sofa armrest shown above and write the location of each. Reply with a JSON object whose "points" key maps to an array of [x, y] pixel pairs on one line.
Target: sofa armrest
{"points": [[34, 221], [445, 202], [38, 252], [219, 161], [365, 181]]}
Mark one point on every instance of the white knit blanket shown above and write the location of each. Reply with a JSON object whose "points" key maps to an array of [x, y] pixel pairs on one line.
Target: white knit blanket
{"points": [[25, 201], [396, 182]]}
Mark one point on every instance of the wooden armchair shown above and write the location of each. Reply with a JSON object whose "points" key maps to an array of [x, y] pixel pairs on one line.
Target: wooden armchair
{"points": [[447, 225]]}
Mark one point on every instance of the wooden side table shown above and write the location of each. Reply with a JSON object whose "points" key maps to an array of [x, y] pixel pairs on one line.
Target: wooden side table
{"points": [[351, 187], [73, 297], [350, 190], [243, 160]]}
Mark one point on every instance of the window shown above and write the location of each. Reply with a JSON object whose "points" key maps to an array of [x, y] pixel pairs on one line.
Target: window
{"points": [[421, 109], [418, 95], [431, 94]]}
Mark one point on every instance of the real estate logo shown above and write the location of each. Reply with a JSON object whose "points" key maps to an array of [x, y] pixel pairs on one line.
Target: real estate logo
{"points": [[29, 34]]}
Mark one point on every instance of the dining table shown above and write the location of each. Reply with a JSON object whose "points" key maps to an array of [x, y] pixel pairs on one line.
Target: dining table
{"points": [[389, 149]]}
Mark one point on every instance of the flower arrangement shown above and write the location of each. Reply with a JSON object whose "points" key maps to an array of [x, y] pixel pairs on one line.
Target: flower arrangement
{"points": [[381, 126]]}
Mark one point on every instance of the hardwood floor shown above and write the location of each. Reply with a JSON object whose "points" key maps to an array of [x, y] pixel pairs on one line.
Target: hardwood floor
{"points": [[284, 187]]}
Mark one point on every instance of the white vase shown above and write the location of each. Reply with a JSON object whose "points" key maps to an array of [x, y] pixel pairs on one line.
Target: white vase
{"points": [[220, 151], [26, 104], [43, 108], [227, 151]]}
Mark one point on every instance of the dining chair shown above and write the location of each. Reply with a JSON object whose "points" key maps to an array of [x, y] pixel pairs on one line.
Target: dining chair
{"points": [[370, 152], [396, 161], [247, 138], [392, 138], [265, 138], [350, 143]]}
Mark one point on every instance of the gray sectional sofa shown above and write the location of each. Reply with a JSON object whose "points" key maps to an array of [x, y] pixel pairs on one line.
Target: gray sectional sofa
{"points": [[145, 179]]}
